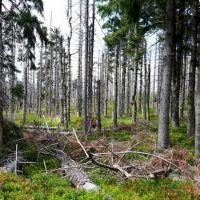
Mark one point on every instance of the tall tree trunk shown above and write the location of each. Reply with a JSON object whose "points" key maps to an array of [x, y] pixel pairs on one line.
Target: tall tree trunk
{"points": [[128, 90], [69, 16], [91, 63], [25, 100], [154, 74], [80, 81], [99, 105], [178, 65], [183, 87], [140, 88], [197, 122], [163, 125], [115, 113], [86, 125], [1, 84], [107, 83], [123, 89], [192, 72], [134, 101], [144, 98], [148, 91]]}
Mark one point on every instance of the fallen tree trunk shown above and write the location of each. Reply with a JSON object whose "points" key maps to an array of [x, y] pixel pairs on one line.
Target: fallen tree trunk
{"points": [[72, 170]]}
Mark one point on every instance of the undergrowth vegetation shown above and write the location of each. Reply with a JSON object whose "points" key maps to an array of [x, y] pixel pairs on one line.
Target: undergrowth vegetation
{"points": [[52, 187], [35, 183]]}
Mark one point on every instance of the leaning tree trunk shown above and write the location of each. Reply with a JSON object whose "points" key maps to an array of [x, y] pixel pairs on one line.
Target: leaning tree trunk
{"points": [[163, 125], [192, 72]]}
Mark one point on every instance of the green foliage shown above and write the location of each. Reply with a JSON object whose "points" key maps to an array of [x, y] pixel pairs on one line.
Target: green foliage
{"points": [[52, 187], [34, 120], [18, 91], [11, 132], [180, 138]]}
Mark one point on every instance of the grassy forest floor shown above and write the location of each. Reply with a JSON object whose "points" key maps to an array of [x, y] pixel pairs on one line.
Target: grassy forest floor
{"points": [[34, 182]]}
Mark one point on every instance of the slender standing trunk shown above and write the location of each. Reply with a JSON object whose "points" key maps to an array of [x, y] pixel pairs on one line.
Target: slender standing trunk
{"points": [[144, 106], [25, 94], [140, 88], [80, 82], [154, 75], [148, 91], [86, 125], [134, 101], [178, 65], [107, 84], [128, 90], [163, 125], [99, 105], [183, 84], [197, 122], [192, 73], [115, 114], [1, 84], [123, 94]]}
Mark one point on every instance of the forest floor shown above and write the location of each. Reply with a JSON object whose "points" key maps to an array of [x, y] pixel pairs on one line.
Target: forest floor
{"points": [[39, 177]]}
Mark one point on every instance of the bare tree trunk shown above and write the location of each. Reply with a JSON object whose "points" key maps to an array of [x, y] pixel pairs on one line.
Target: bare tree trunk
{"points": [[154, 75], [140, 88], [163, 125], [148, 91], [80, 81], [1, 81], [123, 89], [144, 106], [128, 90], [107, 84], [183, 88], [99, 105], [115, 114], [25, 94], [178, 65], [192, 72], [197, 117], [86, 125], [134, 101]]}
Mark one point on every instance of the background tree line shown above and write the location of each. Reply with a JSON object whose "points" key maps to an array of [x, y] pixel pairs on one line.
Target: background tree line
{"points": [[124, 82]]}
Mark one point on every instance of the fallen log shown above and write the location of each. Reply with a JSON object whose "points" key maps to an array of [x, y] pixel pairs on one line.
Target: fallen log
{"points": [[71, 169]]}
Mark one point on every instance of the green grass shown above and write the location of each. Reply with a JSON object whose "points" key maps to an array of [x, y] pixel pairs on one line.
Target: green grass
{"points": [[34, 120]]}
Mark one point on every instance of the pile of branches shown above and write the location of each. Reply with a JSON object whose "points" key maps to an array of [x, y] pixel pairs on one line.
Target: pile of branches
{"points": [[125, 161]]}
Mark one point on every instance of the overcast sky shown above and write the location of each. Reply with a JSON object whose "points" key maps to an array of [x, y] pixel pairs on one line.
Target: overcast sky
{"points": [[58, 10], [59, 19]]}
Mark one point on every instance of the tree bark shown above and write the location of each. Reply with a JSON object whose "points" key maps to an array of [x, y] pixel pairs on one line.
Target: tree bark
{"points": [[115, 113], [1, 84], [178, 65], [163, 125], [86, 124], [192, 72]]}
